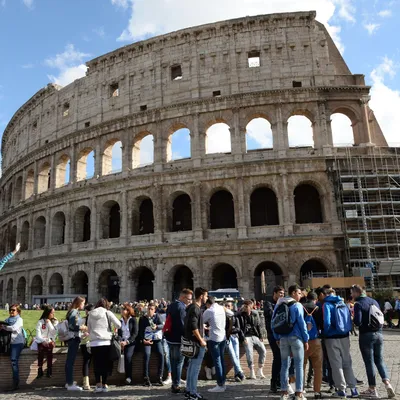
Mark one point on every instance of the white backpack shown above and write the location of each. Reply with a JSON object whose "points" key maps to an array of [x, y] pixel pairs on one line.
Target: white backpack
{"points": [[376, 318], [64, 334]]}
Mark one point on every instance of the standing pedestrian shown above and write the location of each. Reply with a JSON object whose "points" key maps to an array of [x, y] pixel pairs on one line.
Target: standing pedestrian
{"points": [[388, 311], [87, 357]]}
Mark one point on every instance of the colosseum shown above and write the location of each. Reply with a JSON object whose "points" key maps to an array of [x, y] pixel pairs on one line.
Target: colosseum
{"points": [[234, 217]]}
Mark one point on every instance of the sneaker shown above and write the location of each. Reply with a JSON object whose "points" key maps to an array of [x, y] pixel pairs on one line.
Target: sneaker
{"points": [[217, 389], [237, 378], [183, 383], [284, 397], [390, 391], [370, 393], [354, 393], [197, 396], [252, 374], [213, 370], [317, 396], [340, 394], [331, 390], [147, 381], [105, 389], [290, 389], [359, 382], [302, 397], [75, 388], [66, 385], [260, 373], [168, 381], [160, 382], [177, 390], [98, 389], [128, 381], [208, 373]]}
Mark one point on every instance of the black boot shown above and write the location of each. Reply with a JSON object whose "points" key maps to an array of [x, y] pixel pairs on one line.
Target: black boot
{"points": [[49, 372], [273, 388], [39, 373], [15, 385]]}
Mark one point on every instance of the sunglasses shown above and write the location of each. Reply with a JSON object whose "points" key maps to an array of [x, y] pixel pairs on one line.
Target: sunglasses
{"points": [[13, 310]]}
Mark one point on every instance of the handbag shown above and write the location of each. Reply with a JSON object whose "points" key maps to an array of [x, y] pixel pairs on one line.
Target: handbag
{"points": [[121, 364], [115, 347], [189, 348], [34, 345]]}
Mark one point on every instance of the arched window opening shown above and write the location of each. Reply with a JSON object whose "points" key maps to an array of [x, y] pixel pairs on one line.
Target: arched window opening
{"points": [[56, 284], [259, 134], [58, 229], [222, 210], [29, 184], [218, 139], [182, 213], [179, 145], [63, 171], [267, 275], [307, 205], [108, 285], [44, 178], [224, 277], [25, 236], [85, 164], [143, 280], [183, 279], [37, 286], [82, 224], [9, 293], [21, 290], [312, 269], [143, 218], [13, 237], [18, 190], [143, 151], [80, 284], [112, 157], [342, 130], [111, 220], [300, 131], [264, 207], [39, 236]]}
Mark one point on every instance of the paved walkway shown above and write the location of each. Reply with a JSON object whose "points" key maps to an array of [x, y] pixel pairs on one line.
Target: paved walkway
{"points": [[249, 390]]}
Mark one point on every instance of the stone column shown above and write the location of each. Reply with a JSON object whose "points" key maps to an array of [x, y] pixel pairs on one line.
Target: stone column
{"points": [[92, 284], [196, 212], [124, 217], [238, 137], [366, 138], [126, 152], [72, 166], [287, 200], [98, 159], [240, 210], [31, 233], [197, 142], [158, 287], [158, 207], [36, 178], [321, 130], [53, 172], [94, 232], [123, 282], [48, 230], [68, 226], [23, 189], [280, 133], [160, 151]]}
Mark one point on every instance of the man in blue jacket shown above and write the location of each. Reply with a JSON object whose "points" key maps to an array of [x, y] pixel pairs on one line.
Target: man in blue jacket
{"points": [[371, 342], [337, 326], [176, 312], [295, 342]]}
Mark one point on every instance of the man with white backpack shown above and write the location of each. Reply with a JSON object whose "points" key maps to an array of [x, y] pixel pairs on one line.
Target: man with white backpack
{"points": [[369, 318]]}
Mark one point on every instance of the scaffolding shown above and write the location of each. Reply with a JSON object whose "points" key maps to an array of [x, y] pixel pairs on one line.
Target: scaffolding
{"points": [[367, 188]]}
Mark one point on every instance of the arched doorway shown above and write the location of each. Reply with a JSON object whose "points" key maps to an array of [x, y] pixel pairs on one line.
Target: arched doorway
{"points": [[37, 286], [82, 224], [39, 228], [111, 220], [13, 238], [307, 204], [21, 290], [182, 214], [56, 284], [143, 279], [222, 210], [182, 279], [108, 285], [224, 277], [263, 207], [58, 229], [312, 268], [143, 217], [80, 283], [9, 293], [25, 236], [267, 275]]}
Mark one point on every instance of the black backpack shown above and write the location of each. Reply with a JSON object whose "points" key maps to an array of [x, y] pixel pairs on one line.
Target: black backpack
{"points": [[5, 342], [281, 323]]}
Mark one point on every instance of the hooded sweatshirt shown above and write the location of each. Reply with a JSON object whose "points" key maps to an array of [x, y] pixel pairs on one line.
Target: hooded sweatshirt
{"points": [[98, 326], [328, 312], [296, 312]]}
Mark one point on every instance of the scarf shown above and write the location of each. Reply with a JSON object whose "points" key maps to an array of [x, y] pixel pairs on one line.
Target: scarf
{"points": [[12, 320]]}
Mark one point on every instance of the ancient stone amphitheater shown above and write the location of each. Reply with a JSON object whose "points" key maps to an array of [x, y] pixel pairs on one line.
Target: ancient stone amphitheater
{"points": [[246, 219]]}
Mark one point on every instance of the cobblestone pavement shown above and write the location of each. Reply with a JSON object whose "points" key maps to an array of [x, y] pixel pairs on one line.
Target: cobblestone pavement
{"points": [[256, 389]]}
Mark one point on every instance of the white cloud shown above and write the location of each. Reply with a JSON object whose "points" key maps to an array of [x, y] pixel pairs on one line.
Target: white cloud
{"points": [[3, 3], [385, 102], [218, 139], [28, 3], [70, 65], [385, 13], [371, 28], [260, 131], [27, 66], [99, 31], [153, 17]]}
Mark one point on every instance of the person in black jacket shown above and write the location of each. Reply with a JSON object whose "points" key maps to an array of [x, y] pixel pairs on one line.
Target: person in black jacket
{"points": [[269, 306], [150, 335], [127, 335]]}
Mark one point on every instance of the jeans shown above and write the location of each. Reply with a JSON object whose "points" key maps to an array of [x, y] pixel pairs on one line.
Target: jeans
{"points": [[158, 348], [47, 352], [73, 346], [176, 359], [14, 356], [254, 342], [101, 363], [217, 350], [276, 360], [128, 355], [314, 353], [371, 346], [166, 356], [193, 370], [87, 358], [234, 353], [292, 345]]}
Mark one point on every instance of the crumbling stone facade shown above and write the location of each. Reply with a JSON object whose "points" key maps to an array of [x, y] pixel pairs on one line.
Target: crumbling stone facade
{"points": [[249, 219]]}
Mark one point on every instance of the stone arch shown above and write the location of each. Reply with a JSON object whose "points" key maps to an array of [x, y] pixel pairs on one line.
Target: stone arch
{"points": [[224, 276], [222, 210], [10, 291], [263, 207], [29, 183], [307, 202], [13, 237], [300, 129], [180, 277], [342, 129], [82, 224], [37, 286], [110, 220], [58, 229], [56, 284], [18, 190], [218, 138], [25, 236], [267, 275], [21, 290], [108, 285], [143, 149], [112, 157], [44, 177], [142, 216], [80, 283], [312, 267], [259, 134], [85, 164], [179, 142], [143, 280], [39, 233], [181, 218], [63, 169]]}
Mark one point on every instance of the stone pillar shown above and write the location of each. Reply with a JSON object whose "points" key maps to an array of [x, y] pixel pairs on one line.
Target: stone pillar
{"points": [[240, 210], [158, 285], [94, 232], [123, 283], [196, 212], [160, 151], [197, 142], [92, 284], [31, 232], [98, 159], [48, 230], [126, 152], [158, 207], [53, 172], [321, 130], [23, 191], [366, 138], [124, 217], [72, 166], [287, 200], [68, 226], [280, 133], [36, 178], [238, 137]]}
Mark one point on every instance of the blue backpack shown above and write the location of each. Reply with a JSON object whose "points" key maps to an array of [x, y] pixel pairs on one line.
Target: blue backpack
{"points": [[311, 324], [342, 319]]}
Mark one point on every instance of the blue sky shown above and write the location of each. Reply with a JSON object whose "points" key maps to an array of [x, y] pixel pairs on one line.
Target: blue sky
{"points": [[46, 41]]}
